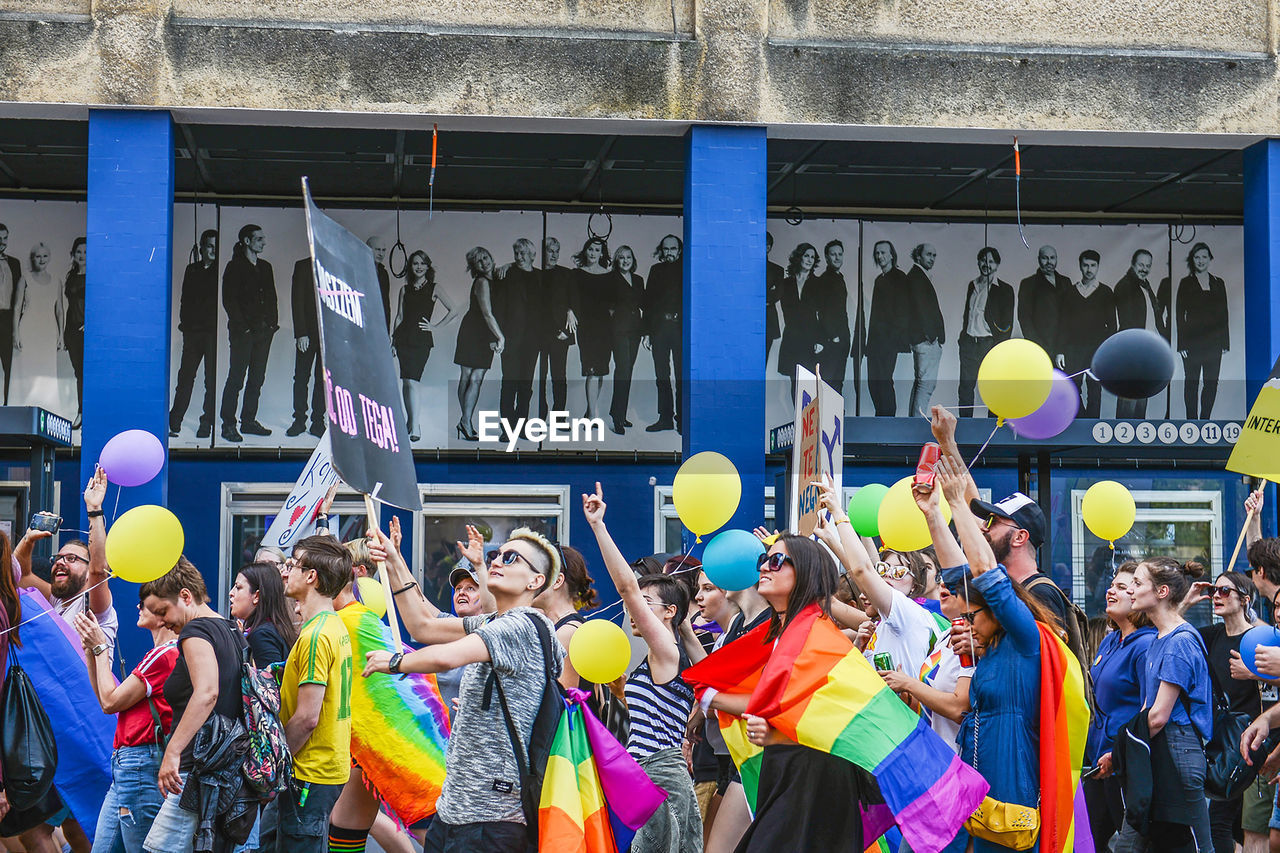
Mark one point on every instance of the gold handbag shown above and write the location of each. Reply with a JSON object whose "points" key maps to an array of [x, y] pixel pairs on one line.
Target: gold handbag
{"points": [[1008, 824]]}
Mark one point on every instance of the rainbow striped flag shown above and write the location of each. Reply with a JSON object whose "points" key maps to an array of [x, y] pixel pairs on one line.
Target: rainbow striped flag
{"points": [[594, 795], [1064, 726], [818, 690], [399, 725]]}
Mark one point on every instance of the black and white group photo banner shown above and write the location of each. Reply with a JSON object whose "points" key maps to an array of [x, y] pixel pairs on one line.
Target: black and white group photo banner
{"points": [[898, 315]]}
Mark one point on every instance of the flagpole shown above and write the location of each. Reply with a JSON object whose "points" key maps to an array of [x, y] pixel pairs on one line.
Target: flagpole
{"points": [[1248, 519], [371, 509]]}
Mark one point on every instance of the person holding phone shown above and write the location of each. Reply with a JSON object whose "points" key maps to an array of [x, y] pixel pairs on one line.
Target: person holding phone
{"points": [[1117, 683]]}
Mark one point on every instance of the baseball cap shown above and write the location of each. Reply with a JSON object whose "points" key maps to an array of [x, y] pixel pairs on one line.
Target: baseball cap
{"points": [[1019, 509], [456, 576]]}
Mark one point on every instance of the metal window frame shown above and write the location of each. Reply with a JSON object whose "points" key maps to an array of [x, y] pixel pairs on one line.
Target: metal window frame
{"points": [[664, 508], [506, 502], [262, 498], [1212, 513]]}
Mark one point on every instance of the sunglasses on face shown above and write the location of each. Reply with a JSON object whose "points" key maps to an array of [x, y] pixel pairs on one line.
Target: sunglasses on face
{"points": [[508, 557], [891, 571], [968, 617], [772, 562], [1223, 591]]}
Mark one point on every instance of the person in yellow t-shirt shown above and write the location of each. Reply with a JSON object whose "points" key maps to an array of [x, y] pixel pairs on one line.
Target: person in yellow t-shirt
{"points": [[315, 701]]}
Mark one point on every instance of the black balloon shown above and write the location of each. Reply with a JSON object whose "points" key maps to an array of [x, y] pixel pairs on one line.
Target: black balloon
{"points": [[1134, 363]]}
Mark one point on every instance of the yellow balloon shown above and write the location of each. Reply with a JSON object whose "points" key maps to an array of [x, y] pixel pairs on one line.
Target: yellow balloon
{"points": [[902, 524], [600, 651], [706, 492], [144, 543], [1015, 377], [371, 595], [1108, 510]]}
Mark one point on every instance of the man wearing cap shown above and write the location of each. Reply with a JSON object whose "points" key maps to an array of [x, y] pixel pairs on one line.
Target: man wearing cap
{"points": [[1015, 528]]}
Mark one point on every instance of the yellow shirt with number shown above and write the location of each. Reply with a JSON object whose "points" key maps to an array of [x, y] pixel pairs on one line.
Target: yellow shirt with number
{"points": [[322, 655]]}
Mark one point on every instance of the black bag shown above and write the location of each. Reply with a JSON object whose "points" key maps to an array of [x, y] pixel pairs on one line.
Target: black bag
{"points": [[1227, 774], [531, 763], [28, 751]]}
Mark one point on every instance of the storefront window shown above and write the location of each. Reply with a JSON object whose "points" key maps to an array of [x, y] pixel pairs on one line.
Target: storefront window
{"points": [[494, 510]]}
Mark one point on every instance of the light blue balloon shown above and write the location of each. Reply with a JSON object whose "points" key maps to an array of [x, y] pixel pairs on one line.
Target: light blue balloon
{"points": [[731, 559], [1259, 635]]}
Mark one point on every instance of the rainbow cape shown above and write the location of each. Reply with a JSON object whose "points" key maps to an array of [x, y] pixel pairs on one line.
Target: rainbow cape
{"points": [[594, 795], [1064, 725], [399, 725], [818, 690]]}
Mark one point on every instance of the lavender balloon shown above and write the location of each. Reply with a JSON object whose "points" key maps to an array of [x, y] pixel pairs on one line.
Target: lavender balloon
{"points": [[132, 458], [1054, 415]]}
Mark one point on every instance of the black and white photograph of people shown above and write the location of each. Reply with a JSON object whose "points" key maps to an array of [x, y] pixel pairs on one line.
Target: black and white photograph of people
{"points": [[198, 326], [1038, 297], [905, 317], [662, 307], [625, 300], [988, 320], [797, 347], [37, 333], [306, 355], [1139, 307], [1086, 318], [557, 335], [249, 298], [479, 337], [379, 247], [1203, 334], [10, 275], [412, 340], [73, 325]]}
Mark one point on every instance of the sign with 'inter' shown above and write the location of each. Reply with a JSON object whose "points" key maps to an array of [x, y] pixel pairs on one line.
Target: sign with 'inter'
{"points": [[370, 442]]}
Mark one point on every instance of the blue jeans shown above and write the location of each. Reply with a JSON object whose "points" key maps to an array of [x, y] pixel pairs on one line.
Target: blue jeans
{"points": [[132, 801]]}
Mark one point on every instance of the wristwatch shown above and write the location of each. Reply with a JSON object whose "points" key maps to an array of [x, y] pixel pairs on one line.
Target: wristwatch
{"points": [[99, 649], [393, 665], [94, 513]]}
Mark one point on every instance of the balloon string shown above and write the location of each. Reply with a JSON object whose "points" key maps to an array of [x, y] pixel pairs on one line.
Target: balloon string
{"points": [[115, 513], [51, 610], [984, 446]]}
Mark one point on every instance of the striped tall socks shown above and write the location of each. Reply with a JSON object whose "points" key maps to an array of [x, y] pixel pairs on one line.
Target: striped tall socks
{"points": [[346, 840]]}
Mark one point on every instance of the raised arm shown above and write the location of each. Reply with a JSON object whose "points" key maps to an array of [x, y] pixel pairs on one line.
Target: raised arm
{"points": [[943, 426], [473, 553], [955, 482], [22, 554], [945, 545], [469, 649], [664, 656], [94, 494], [853, 555], [1253, 506], [420, 617]]}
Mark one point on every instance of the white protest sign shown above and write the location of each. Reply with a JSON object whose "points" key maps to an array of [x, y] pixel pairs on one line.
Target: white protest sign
{"points": [[297, 518]]}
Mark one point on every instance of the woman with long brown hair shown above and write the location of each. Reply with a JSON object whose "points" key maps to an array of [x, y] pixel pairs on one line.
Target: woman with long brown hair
{"points": [[10, 616]]}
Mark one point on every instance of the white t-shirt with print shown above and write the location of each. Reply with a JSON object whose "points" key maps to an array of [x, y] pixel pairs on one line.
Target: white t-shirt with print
{"points": [[907, 634]]}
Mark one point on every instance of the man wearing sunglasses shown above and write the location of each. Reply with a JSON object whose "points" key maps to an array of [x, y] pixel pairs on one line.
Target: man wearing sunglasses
{"points": [[75, 568], [1015, 528]]}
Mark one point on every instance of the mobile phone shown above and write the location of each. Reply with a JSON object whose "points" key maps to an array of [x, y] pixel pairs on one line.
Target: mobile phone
{"points": [[929, 456], [1091, 772], [46, 521]]}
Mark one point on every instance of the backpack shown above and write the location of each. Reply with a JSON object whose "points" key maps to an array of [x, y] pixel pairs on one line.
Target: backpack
{"points": [[268, 764], [531, 762], [1077, 628]]}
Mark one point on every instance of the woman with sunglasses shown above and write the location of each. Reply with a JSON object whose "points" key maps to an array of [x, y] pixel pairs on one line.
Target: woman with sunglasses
{"points": [[658, 699], [1232, 595], [259, 604], [143, 723], [1177, 694], [806, 799], [1000, 734], [906, 633], [480, 806], [1117, 683]]}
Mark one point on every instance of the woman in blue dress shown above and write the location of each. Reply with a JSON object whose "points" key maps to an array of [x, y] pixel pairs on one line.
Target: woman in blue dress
{"points": [[1000, 736]]}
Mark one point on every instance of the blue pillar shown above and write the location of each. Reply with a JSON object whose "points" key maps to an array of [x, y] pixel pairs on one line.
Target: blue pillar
{"points": [[1261, 276], [724, 300], [126, 367]]}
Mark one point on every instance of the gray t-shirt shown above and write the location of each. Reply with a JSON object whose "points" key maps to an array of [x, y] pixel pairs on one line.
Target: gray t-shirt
{"points": [[481, 782]]}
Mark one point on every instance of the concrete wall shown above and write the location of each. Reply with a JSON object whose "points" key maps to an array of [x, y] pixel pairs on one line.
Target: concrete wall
{"points": [[1137, 65]]}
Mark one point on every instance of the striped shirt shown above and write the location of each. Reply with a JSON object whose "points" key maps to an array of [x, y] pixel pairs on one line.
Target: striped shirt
{"points": [[659, 712]]}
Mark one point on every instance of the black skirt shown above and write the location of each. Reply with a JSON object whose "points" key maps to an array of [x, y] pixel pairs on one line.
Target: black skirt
{"points": [[807, 800]]}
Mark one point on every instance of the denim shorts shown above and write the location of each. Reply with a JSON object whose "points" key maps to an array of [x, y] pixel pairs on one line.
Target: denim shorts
{"points": [[174, 828]]}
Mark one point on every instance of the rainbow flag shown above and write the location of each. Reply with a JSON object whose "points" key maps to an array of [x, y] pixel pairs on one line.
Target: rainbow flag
{"points": [[1064, 725], [399, 725], [818, 690], [594, 795]]}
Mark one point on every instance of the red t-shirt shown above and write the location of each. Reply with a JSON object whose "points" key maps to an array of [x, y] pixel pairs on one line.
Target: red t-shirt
{"points": [[135, 726]]}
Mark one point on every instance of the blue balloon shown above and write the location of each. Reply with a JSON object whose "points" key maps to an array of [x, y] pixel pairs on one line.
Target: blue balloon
{"points": [[731, 559], [1259, 635]]}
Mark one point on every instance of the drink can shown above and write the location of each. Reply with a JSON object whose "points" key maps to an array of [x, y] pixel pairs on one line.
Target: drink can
{"points": [[966, 658], [930, 453], [882, 661]]}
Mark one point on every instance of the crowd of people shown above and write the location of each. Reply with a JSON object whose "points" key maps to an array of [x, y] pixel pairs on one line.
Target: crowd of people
{"points": [[956, 632]]}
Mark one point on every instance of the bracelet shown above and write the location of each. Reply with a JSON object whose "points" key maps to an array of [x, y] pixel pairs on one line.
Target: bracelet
{"points": [[320, 515], [94, 513], [405, 588], [844, 521], [393, 665]]}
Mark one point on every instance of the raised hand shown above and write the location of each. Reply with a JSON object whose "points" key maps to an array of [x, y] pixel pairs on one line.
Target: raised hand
{"points": [[395, 534], [473, 551], [943, 425], [96, 492], [953, 479], [764, 535], [593, 506]]}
